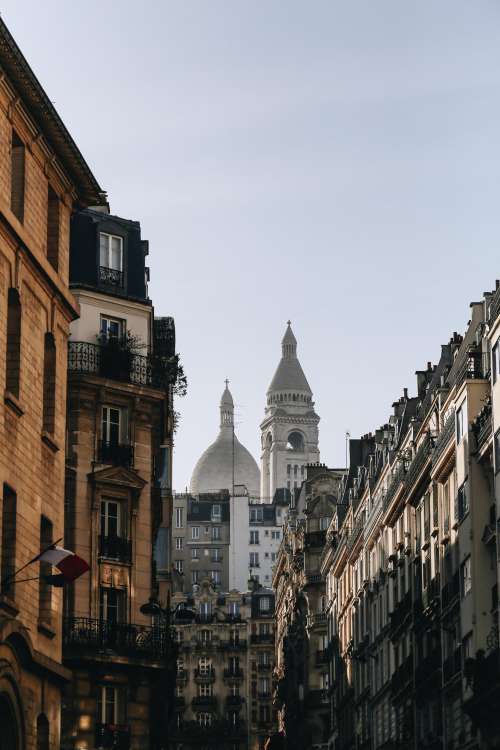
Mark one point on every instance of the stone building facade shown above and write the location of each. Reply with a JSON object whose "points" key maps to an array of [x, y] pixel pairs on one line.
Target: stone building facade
{"points": [[121, 370], [410, 563], [224, 666], [43, 179]]}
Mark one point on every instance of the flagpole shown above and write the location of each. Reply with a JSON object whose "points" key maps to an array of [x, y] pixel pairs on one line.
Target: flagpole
{"points": [[30, 562]]}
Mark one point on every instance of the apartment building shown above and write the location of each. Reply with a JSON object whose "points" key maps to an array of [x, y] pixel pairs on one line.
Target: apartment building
{"points": [[121, 371], [224, 666], [411, 567], [301, 673], [43, 179]]}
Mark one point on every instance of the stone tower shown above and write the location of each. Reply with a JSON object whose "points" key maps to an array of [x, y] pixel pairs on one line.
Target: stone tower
{"points": [[289, 431]]}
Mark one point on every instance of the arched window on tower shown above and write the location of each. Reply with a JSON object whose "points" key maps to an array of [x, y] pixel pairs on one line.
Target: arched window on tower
{"points": [[295, 442]]}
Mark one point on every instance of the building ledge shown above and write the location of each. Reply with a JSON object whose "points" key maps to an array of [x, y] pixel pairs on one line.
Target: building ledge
{"points": [[13, 403], [49, 441]]}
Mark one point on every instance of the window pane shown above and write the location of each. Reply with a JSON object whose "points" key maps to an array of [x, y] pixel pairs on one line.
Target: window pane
{"points": [[103, 249], [116, 253]]}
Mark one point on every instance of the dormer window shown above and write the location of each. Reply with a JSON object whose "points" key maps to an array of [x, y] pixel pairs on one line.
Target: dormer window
{"points": [[111, 259]]}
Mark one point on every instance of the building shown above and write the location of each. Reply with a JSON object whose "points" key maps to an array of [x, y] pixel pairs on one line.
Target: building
{"points": [[43, 179], [289, 430], [410, 563], [121, 371], [224, 666], [301, 695]]}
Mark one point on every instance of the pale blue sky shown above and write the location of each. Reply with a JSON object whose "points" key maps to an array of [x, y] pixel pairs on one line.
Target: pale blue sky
{"points": [[337, 163]]}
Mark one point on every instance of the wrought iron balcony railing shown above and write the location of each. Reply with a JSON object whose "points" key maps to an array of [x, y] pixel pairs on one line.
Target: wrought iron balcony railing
{"points": [[202, 701], [233, 645], [110, 276], [112, 737], [403, 676], [450, 591], [494, 307], [315, 538], [106, 361], [476, 366], [419, 461], [262, 638], [115, 548], [395, 483], [204, 675], [264, 667], [234, 700], [85, 635], [452, 665], [444, 437], [233, 674], [116, 453]]}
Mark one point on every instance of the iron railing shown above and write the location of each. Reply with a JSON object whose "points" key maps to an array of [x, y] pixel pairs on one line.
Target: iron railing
{"points": [[420, 459], [262, 638], [394, 484], [110, 276], [451, 590], [444, 437], [355, 533], [233, 673], [315, 538], [115, 548], [233, 644], [476, 366], [494, 306], [112, 737], [202, 701], [204, 675], [140, 641], [116, 453], [85, 358]]}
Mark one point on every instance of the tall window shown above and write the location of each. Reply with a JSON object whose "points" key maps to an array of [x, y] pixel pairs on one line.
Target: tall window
{"points": [[111, 518], [216, 555], [324, 522], [17, 176], [215, 532], [44, 588], [195, 532], [205, 611], [179, 566], [195, 553], [195, 577], [179, 521], [112, 328], [216, 512], [8, 552], [264, 604], [13, 353], [204, 665], [53, 228], [179, 542], [495, 361], [112, 604], [466, 577], [215, 577], [462, 502], [460, 421], [234, 609], [110, 705], [111, 251], [204, 719], [254, 537], [254, 559], [49, 383], [112, 425]]}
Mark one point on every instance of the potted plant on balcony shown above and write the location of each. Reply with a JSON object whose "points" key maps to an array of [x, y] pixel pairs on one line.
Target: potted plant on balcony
{"points": [[117, 354]]}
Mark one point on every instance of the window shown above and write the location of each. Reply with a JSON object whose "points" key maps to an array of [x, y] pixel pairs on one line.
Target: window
{"points": [[179, 523], [495, 361], [110, 518], [466, 577], [264, 658], [195, 532], [462, 502], [275, 534], [324, 522], [234, 609], [216, 513], [264, 604], [179, 566], [215, 577], [256, 515], [110, 705], [215, 532], [460, 421], [179, 543], [112, 425], [205, 612], [204, 665], [49, 383], [112, 328], [111, 251], [254, 559], [265, 713], [8, 551], [53, 228], [195, 577], [204, 719], [17, 176], [216, 555], [254, 537], [273, 556], [206, 635], [295, 442], [13, 353], [45, 588], [263, 687], [195, 553], [111, 605], [288, 469], [497, 451]]}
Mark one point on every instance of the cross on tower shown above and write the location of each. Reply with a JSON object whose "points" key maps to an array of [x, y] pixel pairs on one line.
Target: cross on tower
{"points": [[226, 382]]}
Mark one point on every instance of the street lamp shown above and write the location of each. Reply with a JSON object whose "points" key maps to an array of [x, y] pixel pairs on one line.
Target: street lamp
{"points": [[165, 691]]}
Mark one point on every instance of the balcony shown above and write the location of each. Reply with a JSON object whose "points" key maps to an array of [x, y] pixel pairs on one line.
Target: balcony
{"points": [[419, 462], [233, 645], [482, 427], [103, 360], [264, 695], [219, 730], [204, 676], [401, 612], [234, 701], [313, 577], [84, 636], [395, 484], [450, 591], [317, 619], [355, 534], [180, 702], [315, 538], [264, 667], [204, 703], [115, 548], [482, 707], [317, 699], [429, 669], [233, 674], [112, 737], [443, 439], [476, 366], [452, 665], [321, 657], [262, 638], [110, 277], [494, 307], [115, 453], [402, 677]]}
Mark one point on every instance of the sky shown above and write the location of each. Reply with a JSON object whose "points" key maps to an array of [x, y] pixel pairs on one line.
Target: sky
{"points": [[336, 163]]}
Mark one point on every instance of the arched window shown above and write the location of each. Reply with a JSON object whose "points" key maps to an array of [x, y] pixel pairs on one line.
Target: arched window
{"points": [[42, 732], [10, 730], [295, 442]]}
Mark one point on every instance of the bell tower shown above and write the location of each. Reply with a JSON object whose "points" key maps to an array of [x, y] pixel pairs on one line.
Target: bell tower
{"points": [[289, 430]]}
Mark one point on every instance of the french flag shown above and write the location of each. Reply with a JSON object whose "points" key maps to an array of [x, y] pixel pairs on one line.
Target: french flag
{"points": [[71, 566]]}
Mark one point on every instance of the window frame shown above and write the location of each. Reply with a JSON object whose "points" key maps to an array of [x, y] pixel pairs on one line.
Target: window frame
{"points": [[109, 250]]}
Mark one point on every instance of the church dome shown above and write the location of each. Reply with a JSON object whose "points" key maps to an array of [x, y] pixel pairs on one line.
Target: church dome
{"points": [[214, 468]]}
